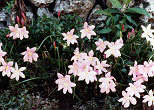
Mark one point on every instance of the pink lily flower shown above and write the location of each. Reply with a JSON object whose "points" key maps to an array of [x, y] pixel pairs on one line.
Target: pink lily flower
{"points": [[127, 99], [101, 45], [6, 68], [70, 38], [149, 98], [107, 83], [17, 72], [135, 89], [30, 55], [65, 83], [87, 31]]}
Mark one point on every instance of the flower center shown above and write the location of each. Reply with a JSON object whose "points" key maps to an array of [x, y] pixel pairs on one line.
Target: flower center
{"points": [[69, 37], [66, 84], [6, 68], [87, 30], [29, 54]]}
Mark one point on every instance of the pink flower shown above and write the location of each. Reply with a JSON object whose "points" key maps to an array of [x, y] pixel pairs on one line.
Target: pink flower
{"points": [[74, 68], [87, 31], [69, 37], [134, 70], [64, 83], [6, 68], [89, 57], [119, 43], [88, 75], [2, 54], [78, 56], [140, 77], [127, 99], [17, 72], [102, 67], [30, 54], [107, 83], [23, 33], [15, 31], [113, 50], [149, 98], [135, 89], [147, 69], [101, 45]]}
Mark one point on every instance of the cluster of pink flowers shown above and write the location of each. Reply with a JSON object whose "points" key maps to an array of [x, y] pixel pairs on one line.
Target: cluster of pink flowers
{"points": [[140, 74], [86, 67], [114, 47], [17, 32], [7, 67], [86, 31], [64, 83]]}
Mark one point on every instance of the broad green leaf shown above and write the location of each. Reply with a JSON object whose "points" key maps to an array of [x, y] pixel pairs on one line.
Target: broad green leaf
{"points": [[129, 18], [118, 26], [139, 11], [124, 70], [108, 21], [105, 12], [116, 4], [103, 31], [116, 18], [114, 11], [133, 22]]}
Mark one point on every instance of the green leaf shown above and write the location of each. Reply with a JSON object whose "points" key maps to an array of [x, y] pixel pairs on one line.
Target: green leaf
{"points": [[134, 22], [129, 18], [103, 31], [114, 11], [108, 21], [124, 70], [116, 4], [105, 12], [116, 18], [139, 11]]}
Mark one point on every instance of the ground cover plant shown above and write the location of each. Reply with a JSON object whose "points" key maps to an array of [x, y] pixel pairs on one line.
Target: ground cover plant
{"points": [[61, 63]]}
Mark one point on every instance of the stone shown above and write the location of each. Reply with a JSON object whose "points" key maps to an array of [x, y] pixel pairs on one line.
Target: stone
{"points": [[81, 7], [39, 3], [30, 15], [44, 11], [3, 16], [149, 8]]}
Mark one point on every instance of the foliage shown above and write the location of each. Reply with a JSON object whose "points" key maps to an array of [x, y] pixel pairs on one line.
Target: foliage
{"points": [[55, 57]]}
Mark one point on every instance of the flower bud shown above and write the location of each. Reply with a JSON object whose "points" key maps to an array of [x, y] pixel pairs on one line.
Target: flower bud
{"points": [[18, 19], [133, 32], [128, 35], [54, 44], [8, 35], [22, 22], [59, 14], [104, 55], [24, 17], [123, 27]]}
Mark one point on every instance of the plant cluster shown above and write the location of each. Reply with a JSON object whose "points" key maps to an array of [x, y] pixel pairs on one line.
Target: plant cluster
{"points": [[115, 59]]}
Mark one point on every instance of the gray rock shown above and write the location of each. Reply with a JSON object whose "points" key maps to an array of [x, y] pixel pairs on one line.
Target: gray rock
{"points": [[3, 16], [39, 3], [30, 15], [150, 9], [2, 25], [81, 7], [44, 11]]}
